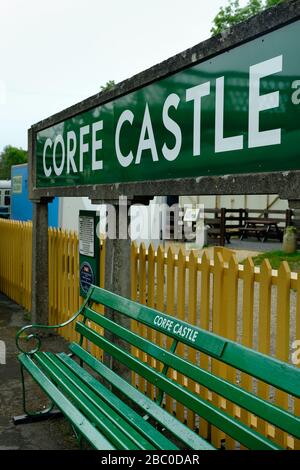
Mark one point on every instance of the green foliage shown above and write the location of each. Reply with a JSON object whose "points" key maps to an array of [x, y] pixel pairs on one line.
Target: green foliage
{"points": [[233, 13], [11, 156], [276, 258], [108, 85]]}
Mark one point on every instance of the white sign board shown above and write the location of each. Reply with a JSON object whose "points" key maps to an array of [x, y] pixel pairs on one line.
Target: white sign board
{"points": [[86, 236]]}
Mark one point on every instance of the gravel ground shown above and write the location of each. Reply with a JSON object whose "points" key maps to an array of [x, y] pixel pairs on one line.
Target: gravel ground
{"points": [[54, 433]]}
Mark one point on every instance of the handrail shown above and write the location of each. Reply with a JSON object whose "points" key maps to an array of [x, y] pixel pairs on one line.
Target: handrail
{"points": [[36, 337]]}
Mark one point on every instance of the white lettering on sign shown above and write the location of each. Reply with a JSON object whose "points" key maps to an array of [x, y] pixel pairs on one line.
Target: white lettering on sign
{"points": [[173, 100], [61, 150], [258, 103], [195, 94], [176, 328], [71, 150], [146, 143], [126, 116]]}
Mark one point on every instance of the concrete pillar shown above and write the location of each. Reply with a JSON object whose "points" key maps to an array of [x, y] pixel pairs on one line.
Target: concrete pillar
{"points": [[117, 272], [39, 310], [117, 279]]}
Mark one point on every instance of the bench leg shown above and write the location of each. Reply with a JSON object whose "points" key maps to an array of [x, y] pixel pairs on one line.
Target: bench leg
{"points": [[34, 418], [29, 416]]}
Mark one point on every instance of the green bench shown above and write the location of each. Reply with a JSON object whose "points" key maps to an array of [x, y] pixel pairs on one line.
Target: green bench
{"points": [[110, 413]]}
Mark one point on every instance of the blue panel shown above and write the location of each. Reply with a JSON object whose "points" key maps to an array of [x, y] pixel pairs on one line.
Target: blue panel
{"points": [[21, 206]]}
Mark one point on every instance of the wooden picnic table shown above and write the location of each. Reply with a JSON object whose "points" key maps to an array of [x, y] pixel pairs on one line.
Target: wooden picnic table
{"points": [[261, 227]]}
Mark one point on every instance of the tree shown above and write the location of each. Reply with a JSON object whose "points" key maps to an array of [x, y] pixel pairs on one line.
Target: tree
{"points": [[11, 156], [108, 85], [233, 13]]}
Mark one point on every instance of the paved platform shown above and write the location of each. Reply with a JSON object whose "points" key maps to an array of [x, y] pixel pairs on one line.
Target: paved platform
{"points": [[55, 433]]}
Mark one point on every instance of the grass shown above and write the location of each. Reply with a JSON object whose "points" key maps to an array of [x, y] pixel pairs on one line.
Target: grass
{"points": [[276, 257]]}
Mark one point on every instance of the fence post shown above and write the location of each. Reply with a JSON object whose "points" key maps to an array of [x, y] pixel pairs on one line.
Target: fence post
{"points": [[222, 226], [288, 217]]}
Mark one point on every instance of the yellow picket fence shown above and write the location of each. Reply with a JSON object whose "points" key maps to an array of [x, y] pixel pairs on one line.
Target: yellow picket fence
{"points": [[15, 261], [16, 268], [258, 307]]}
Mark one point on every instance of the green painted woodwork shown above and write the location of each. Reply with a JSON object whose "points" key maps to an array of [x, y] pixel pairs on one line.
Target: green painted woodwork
{"points": [[214, 415], [186, 435], [174, 151], [115, 422], [283, 376], [115, 403], [237, 395], [79, 421], [115, 428]]}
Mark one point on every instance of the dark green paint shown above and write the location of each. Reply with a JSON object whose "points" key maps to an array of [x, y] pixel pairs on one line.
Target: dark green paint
{"points": [[86, 402], [234, 66], [234, 393]]}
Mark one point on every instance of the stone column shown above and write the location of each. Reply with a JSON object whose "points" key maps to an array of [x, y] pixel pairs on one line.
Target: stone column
{"points": [[118, 273], [39, 309], [294, 204]]}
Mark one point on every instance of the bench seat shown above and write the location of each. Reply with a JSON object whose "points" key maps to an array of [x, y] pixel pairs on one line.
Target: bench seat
{"points": [[84, 400], [111, 413]]}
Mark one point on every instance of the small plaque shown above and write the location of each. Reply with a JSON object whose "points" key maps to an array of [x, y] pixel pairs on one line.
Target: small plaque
{"points": [[86, 275]]}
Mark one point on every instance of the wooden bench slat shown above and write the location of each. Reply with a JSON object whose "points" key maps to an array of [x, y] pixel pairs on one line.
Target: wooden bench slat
{"points": [[186, 435], [79, 421], [237, 395], [135, 420], [105, 423], [214, 415], [281, 375]]}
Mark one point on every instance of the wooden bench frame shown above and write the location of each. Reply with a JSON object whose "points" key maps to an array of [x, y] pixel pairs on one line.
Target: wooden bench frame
{"points": [[107, 421]]}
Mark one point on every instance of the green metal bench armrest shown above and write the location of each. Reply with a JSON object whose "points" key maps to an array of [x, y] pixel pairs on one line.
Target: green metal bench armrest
{"points": [[22, 334]]}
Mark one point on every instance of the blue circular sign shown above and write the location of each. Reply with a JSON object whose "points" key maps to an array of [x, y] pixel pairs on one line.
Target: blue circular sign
{"points": [[86, 276]]}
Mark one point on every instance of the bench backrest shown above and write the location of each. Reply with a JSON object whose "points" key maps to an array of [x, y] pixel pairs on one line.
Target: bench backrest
{"points": [[283, 376]]}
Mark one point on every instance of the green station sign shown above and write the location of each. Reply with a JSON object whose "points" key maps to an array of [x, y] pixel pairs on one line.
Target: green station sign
{"points": [[237, 112]]}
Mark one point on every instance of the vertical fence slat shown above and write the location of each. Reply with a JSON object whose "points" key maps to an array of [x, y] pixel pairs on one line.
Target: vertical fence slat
{"points": [[217, 318], [264, 327], [150, 303], [247, 326], [181, 285], [231, 329], [282, 335], [204, 323], [170, 310], [192, 313]]}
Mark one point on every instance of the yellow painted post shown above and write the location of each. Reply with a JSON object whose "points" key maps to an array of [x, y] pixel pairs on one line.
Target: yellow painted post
{"points": [[247, 325], [59, 277], [217, 318], [230, 294], [160, 299], [150, 303], [54, 275], [77, 298], [170, 310], [297, 337], [134, 285], [204, 323], [282, 335], [142, 299], [192, 315], [64, 283], [71, 283], [50, 277], [181, 284], [264, 327]]}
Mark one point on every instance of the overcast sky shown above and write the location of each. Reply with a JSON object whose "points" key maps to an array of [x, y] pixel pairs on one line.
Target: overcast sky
{"points": [[55, 53]]}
